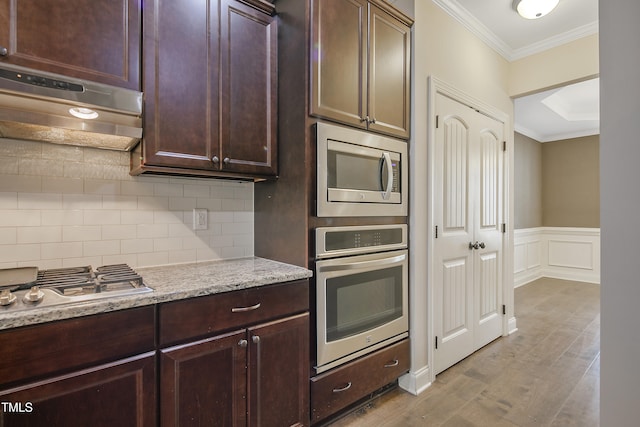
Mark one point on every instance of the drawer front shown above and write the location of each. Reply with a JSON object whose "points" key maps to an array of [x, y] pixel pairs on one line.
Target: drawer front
{"points": [[42, 350], [182, 321], [337, 389]]}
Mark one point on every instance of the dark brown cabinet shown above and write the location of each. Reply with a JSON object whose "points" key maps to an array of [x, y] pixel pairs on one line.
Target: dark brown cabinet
{"points": [[97, 370], [210, 89], [240, 373], [96, 40], [360, 66]]}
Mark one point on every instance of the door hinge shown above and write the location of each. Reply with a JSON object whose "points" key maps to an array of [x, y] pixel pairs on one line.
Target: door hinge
{"points": [[504, 227], [504, 309], [504, 145], [436, 231], [437, 122], [436, 342]]}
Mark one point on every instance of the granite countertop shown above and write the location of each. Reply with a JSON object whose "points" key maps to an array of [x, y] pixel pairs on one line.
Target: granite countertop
{"points": [[170, 283]]}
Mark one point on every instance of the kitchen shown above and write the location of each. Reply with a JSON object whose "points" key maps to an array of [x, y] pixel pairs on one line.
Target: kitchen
{"points": [[40, 179]]}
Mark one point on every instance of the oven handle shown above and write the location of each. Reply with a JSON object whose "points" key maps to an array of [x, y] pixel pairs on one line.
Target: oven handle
{"points": [[387, 159], [364, 264]]}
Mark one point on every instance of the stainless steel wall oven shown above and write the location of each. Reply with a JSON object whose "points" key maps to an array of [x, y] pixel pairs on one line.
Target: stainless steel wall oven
{"points": [[361, 291]]}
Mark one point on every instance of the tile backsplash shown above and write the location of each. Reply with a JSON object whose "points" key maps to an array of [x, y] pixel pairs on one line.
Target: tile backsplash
{"points": [[63, 206]]}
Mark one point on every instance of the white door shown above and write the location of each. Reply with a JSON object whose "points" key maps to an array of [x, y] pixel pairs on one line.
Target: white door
{"points": [[468, 245]]}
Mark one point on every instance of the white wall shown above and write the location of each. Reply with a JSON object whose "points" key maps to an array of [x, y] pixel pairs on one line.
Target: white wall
{"points": [[442, 48], [619, 207], [64, 206]]}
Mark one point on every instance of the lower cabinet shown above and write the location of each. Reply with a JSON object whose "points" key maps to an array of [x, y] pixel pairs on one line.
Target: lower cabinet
{"points": [[238, 358], [255, 376], [336, 389], [121, 393]]}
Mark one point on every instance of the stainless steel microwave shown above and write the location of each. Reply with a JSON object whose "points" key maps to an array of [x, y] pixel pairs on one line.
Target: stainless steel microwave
{"points": [[360, 173]]}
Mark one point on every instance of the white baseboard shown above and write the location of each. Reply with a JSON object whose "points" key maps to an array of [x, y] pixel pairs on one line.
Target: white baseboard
{"points": [[415, 382], [559, 252]]}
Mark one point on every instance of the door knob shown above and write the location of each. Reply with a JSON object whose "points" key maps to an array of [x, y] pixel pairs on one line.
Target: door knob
{"points": [[477, 245], [482, 245]]}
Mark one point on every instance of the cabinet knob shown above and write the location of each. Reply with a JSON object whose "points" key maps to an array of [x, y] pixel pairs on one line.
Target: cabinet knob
{"points": [[215, 160], [243, 343], [4, 51], [372, 121], [226, 160], [255, 339]]}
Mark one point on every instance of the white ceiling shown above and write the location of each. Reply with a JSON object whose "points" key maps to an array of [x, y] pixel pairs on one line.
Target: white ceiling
{"points": [[497, 24]]}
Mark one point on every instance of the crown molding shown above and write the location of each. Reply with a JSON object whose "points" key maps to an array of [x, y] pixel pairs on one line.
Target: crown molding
{"points": [[554, 137], [477, 28]]}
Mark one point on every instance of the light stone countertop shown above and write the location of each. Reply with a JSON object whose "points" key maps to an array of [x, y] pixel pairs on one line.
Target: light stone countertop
{"points": [[170, 283]]}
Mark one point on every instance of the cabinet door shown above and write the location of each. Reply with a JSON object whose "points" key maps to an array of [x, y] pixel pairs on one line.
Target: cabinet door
{"points": [[117, 394], [97, 40], [180, 84], [279, 372], [204, 383], [248, 56], [338, 60], [389, 74]]}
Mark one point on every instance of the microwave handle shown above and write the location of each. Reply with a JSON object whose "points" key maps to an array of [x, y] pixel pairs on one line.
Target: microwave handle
{"points": [[387, 159]]}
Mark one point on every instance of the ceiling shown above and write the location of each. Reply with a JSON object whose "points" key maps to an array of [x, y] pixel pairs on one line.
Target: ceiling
{"points": [[568, 113]]}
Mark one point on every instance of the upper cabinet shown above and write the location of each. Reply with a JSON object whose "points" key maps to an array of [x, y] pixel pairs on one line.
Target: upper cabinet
{"points": [[210, 89], [96, 40], [360, 65]]}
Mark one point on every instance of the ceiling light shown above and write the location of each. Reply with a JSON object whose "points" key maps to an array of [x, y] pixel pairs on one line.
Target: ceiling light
{"points": [[83, 113], [534, 9]]}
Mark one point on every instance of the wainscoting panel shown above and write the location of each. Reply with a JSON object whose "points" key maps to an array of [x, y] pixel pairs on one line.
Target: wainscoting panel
{"points": [[558, 252]]}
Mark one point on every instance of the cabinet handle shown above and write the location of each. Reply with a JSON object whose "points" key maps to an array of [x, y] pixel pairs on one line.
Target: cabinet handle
{"points": [[4, 51], [345, 388], [258, 363], [215, 160], [243, 343], [243, 309], [392, 364], [364, 119], [372, 121]]}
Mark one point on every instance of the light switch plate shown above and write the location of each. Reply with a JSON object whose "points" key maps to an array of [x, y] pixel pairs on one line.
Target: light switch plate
{"points": [[200, 219]]}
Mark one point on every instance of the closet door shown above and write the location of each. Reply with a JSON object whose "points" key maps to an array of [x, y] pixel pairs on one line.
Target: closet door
{"points": [[468, 246]]}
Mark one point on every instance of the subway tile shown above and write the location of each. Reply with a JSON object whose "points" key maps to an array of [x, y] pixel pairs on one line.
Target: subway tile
{"points": [[210, 204], [233, 205], [62, 217], [136, 246], [183, 256], [73, 169], [17, 218], [179, 230], [232, 252], [8, 200], [39, 234], [221, 217], [101, 247], [167, 217], [63, 185], [21, 183], [237, 228], [221, 192], [153, 203], [9, 264], [221, 241], [118, 231], [182, 203], [106, 157], [119, 202], [101, 186], [101, 217], [8, 235], [19, 252], [42, 264], [195, 243], [136, 217], [130, 259], [136, 188], [81, 233], [208, 254], [8, 165], [81, 201], [167, 244], [152, 259], [144, 231], [20, 148], [170, 190], [40, 167], [39, 201], [62, 152], [61, 250], [243, 216], [94, 261], [198, 191]]}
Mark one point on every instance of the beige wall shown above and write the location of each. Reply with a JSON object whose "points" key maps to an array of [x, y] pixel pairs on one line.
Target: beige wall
{"points": [[570, 62], [570, 182], [527, 182]]}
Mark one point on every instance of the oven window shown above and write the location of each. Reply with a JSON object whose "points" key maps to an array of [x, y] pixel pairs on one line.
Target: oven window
{"points": [[360, 302]]}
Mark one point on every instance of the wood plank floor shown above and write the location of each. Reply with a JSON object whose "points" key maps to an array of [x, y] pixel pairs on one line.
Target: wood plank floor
{"points": [[545, 374]]}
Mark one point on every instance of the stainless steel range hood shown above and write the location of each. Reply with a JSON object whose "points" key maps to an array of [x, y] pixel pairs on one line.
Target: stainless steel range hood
{"points": [[42, 106]]}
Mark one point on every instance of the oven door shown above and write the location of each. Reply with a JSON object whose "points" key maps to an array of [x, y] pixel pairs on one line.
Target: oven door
{"points": [[361, 305]]}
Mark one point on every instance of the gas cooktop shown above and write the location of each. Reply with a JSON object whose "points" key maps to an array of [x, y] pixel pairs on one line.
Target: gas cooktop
{"points": [[71, 285]]}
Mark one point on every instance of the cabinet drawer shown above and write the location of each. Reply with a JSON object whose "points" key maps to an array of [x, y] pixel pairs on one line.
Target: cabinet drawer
{"points": [[42, 350], [337, 389], [181, 321]]}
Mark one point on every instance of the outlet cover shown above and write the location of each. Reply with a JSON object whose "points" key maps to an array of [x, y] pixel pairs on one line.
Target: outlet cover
{"points": [[200, 219]]}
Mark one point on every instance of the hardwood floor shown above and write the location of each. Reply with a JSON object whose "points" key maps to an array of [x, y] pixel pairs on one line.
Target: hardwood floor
{"points": [[545, 374]]}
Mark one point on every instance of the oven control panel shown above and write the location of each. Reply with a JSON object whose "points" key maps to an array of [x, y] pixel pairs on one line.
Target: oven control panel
{"points": [[342, 241]]}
